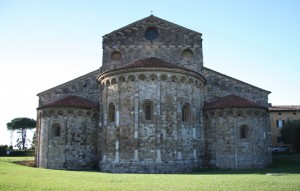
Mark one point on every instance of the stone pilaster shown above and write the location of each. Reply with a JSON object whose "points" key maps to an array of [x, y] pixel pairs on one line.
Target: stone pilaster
{"points": [[158, 123], [136, 127]]}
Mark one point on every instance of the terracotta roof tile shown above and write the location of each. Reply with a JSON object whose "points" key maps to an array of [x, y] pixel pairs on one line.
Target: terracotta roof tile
{"points": [[151, 62], [71, 101], [231, 101], [285, 108]]}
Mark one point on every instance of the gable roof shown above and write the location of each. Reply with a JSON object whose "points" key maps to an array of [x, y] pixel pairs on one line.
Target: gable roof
{"points": [[152, 19], [231, 101], [71, 101], [229, 77], [92, 74], [285, 108]]}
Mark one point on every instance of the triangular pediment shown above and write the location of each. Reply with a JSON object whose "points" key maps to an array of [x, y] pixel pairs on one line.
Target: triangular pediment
{"points": [[153, 37], [135, 31], [151, 21]]}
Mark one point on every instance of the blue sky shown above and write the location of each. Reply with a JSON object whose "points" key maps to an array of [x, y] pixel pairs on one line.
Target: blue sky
{"points": [[44, 43]]}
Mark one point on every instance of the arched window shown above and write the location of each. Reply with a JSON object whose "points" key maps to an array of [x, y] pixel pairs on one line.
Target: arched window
{"points": [[111, 113], [187, 54], [243, 131], [186, 114], [116, 56], [56, 130], [148, 110]]}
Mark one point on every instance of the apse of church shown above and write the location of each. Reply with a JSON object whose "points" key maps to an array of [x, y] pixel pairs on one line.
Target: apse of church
{"points": [[153, 108]]}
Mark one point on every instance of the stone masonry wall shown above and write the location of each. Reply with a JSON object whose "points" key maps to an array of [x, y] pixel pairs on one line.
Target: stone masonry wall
{"points": [[127, 140], [173, 44], [74, 147], [131, 140], [227, 148]]}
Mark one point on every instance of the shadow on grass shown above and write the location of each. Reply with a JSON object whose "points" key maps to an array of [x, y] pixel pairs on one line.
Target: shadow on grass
{"points": [[29, 163]]}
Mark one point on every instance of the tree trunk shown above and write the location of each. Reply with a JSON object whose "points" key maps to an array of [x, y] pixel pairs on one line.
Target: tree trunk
{"points": [[23, 132], [11, 138]]}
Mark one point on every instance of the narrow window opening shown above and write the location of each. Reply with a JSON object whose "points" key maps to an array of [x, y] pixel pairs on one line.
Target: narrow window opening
{"points": [[244, 132], [186, 113], [111, 113], [148, 110], [56, 130]]}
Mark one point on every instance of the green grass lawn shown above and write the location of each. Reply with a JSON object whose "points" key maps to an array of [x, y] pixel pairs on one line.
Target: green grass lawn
{"points": [[284, 175]]}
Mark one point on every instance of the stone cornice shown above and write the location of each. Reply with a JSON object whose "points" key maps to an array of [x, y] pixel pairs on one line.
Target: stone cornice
{"points": [[151, 69]]}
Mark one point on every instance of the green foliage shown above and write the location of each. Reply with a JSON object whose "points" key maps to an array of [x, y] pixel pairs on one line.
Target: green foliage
{"points": [[3, 149], [291, 132], [21, 153], [21, 124], [284, 175]]}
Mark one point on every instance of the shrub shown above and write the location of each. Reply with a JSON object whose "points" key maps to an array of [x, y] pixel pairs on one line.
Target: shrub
{"points": [[21, 153], [3, 149]]}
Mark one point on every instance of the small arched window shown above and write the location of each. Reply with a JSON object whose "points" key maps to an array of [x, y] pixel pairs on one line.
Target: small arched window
{"points": [[148, 110], [56, 130], [187, 54], [111, 113], [244, 132], [116, 56], [186, 113]]}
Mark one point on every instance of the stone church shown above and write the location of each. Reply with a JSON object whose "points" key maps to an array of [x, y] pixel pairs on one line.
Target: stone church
{"points": [[152, 107]]}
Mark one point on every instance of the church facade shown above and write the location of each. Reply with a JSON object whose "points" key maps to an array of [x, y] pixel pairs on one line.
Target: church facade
{"points": [[152, 107]]}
